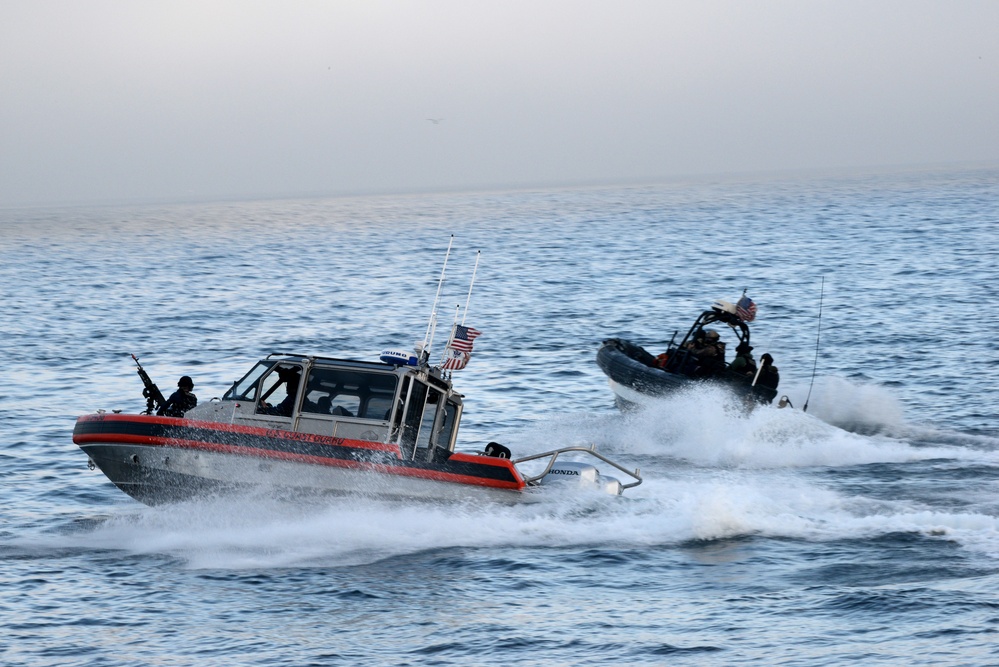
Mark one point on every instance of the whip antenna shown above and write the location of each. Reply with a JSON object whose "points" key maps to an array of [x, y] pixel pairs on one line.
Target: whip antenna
{"points": [[472, 282], [817, 334], [428, 338]]}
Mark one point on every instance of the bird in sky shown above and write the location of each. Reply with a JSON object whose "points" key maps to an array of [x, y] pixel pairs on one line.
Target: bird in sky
{"points": [[435, 121]]}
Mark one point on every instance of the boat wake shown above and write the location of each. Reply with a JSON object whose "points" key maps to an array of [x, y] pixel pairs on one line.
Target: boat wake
{"points": [[705, 427], [713, 472], [859, 408], [242, 534], [871, 409]]}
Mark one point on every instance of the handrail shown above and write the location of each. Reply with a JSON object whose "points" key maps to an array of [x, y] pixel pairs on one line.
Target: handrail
{"points": [[588, 450]]}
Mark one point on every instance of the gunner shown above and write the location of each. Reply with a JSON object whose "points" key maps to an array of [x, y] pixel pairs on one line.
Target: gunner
{"points": [[181, 400]]}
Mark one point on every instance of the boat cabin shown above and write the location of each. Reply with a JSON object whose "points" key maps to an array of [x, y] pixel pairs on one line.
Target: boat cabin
{"points": [[412, 407]]}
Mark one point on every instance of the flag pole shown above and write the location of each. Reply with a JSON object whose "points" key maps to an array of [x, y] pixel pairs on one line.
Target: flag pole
{"points": [[428, 337], [451, 335], [472, 282]]}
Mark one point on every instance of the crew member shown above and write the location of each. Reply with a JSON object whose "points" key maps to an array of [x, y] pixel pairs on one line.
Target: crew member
{"points": [[710, 353], [181, 400], [290, 377], [769, 377], [743, 362]]}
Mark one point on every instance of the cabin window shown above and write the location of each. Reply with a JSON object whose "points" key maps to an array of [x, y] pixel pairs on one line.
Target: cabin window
{"points": [[246, 388], [349, 393]]}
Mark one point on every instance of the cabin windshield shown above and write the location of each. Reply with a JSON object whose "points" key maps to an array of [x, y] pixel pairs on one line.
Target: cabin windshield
{"points": [[348, 392], [246, 388]]}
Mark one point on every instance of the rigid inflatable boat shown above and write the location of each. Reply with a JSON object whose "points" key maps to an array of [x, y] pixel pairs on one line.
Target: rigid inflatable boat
{"points": [[634, 372]]}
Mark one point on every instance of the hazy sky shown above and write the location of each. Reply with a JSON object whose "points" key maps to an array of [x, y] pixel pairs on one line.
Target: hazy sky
{"points": [[132, 100]]}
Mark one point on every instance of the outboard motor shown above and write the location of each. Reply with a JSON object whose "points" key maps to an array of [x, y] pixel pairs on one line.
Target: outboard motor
{"points": [[610, 485], [580, 475]]}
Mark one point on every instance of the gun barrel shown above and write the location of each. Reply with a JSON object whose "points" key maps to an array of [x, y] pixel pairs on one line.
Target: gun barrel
{"points": [[152, 393]]}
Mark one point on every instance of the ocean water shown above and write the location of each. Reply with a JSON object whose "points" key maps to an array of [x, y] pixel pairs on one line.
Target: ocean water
{"points": [[864, 530]]}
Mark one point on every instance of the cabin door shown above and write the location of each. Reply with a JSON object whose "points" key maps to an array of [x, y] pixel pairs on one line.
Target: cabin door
{"points": [[423, 413], [433, 416], [447, 431]]}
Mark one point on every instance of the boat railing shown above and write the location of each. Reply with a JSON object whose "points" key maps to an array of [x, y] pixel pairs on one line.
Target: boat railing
{"points": [[591, 450]]}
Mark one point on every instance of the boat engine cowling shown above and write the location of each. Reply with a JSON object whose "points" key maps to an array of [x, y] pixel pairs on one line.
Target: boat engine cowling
{"points": [[610, 485], [580, 475]]}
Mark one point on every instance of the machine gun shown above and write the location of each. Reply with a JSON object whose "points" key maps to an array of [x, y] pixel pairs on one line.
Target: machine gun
{"points": [[154, 398]]}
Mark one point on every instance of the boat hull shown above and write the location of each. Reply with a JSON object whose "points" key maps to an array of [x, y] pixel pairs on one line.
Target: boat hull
{"points": [[632, 375], [160, 460]]}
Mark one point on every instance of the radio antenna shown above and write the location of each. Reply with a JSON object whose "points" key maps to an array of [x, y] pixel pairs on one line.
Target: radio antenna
{"points": [[817, 334], [472, 282], [428, 337]]}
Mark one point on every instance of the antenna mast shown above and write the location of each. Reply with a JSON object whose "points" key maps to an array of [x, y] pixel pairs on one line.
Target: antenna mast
{"points": [[457, 307], [472, 282], [428, 337]]}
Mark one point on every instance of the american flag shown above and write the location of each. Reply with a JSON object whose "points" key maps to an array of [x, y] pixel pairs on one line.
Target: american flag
{"points": [[463, 337], [746, 309], [455, 360]]}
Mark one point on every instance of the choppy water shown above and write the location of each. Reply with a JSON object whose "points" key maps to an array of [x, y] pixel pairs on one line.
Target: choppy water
{"points": [[864, 531]]}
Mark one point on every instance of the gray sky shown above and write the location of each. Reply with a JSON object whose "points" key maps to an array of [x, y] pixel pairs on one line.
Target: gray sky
{"points": [[133, 100]]}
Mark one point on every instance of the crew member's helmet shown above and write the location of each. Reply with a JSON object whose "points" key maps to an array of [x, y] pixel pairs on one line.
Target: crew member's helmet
{"points": [[185, 382], [711, 336], [288, 374]]}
